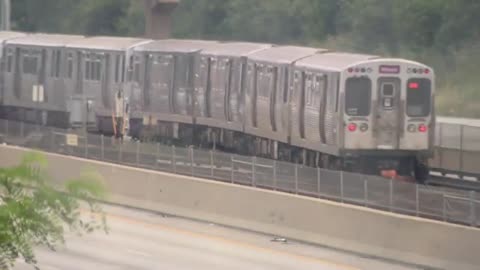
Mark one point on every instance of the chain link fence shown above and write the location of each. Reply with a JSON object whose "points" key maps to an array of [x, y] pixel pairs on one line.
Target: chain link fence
{"points": [[455, 206]]}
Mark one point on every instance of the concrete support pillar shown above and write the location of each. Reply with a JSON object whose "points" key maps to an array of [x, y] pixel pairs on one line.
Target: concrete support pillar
{"points": [[158, 16], [5, 13]]}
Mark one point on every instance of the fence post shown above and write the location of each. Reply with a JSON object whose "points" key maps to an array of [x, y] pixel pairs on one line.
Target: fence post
{"points": [[473, 213], [318, 182], [231, 168], [137, 154], [461, 149], [52, 139], [391, 195], [417, 201], [211, 163], [274, 175], [365, 191], [174, 161], [157, 157], [444, 207], [191, 160], [86, 145], [341, 186], [102, 147], [440, 142], [254, 161], [6, 128], [296, 178]]}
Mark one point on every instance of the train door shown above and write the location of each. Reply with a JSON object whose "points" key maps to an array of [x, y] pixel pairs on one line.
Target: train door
{"points": [[272, 85], [300, 88], [148, 59], [104, 65], [254, 95], [17, 74], [80, 74], [387, 120], [230, 92], [41, 86]]}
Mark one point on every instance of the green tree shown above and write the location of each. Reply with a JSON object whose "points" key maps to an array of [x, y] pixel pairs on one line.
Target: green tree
{"points": [[35, 212]]}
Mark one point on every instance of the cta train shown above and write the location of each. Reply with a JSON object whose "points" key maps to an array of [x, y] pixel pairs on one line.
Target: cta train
{"points": [[343, 111]]}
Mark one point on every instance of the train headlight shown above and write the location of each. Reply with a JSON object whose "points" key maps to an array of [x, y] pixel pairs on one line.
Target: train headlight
{"points": [[363, 127], [411, 128]]}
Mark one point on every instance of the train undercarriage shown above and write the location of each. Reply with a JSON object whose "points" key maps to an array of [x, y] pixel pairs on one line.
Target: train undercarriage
{"points": [[407, 166]]}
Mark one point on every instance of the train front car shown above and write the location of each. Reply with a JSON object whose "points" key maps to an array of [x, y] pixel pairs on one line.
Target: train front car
{"points": [[388, 117]]}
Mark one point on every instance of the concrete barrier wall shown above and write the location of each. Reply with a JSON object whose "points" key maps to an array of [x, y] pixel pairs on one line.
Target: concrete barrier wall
{"points": [[351, 228]]}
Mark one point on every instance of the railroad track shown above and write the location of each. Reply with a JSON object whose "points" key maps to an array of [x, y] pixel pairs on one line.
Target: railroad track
{"points": [[454, 183]]}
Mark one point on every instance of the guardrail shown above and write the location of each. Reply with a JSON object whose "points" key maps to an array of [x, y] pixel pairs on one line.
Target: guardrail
{"points": [[449, 205]]}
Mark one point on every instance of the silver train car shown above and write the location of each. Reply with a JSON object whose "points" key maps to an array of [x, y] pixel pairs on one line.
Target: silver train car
{"points": [[220, 87], [162, 93], [33, 78], [103, 74], [354, 112]]}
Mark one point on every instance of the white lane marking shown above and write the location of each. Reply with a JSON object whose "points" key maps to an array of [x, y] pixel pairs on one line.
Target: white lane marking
{"points": [[138, 252]]}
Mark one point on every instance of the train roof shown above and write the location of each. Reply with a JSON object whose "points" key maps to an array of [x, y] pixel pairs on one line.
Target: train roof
{"points": [[6, 35], [236, 48], [284, 54], [176, 45], [45, 39], [106, 43], [334, 60]]}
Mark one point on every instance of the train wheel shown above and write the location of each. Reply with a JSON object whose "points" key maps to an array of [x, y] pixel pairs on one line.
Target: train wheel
{"points": [[422, 172]]}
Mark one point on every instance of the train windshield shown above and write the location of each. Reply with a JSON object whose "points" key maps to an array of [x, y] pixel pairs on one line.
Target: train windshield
{"points": [[418, 97], [358, 92]]}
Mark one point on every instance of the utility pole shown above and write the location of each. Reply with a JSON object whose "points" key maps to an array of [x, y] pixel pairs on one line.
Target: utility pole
{"points": [[6, 9], [158, 17]]}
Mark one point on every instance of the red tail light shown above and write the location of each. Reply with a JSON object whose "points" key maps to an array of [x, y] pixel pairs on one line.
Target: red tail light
{"points": [[352, 127], [422, 128]]}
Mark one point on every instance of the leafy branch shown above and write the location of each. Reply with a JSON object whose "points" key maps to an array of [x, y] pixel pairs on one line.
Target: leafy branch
{"points": [[36, 212]]}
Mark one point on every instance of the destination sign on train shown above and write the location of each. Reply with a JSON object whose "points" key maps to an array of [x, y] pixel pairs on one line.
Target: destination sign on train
{"points": [[388, 69]]}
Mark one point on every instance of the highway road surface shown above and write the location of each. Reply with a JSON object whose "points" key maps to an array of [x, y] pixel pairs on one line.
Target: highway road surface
{"points": [[142, 240]]}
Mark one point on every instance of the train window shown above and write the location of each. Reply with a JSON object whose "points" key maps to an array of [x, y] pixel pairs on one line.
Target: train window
{"points": [[309, 90], [122, 68], [285, 86], [92, 68], [70, 65], [30, 64], [55, 65], [97, 71], [358, 93], [137, 72], [418, 97], [319, 88], [52, 65], [337, 101], [388, 89], [9, 61], [87, 69], [117, 68]]}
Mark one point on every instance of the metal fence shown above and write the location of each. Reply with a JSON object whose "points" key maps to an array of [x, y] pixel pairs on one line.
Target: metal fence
{"points": [[370, 191], [457, 148]]}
